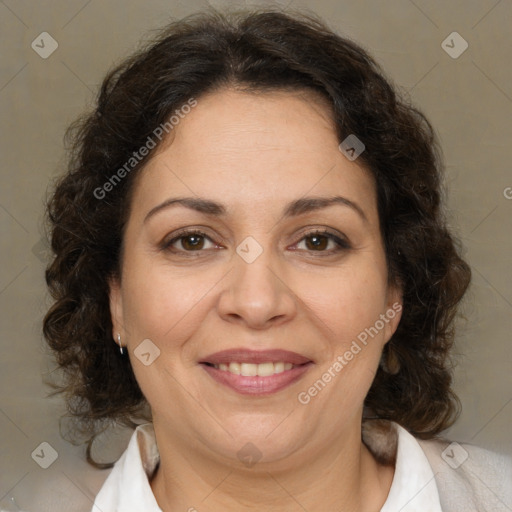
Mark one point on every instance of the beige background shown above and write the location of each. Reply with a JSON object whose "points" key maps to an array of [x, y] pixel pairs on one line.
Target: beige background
{"points": [[468, 99]]}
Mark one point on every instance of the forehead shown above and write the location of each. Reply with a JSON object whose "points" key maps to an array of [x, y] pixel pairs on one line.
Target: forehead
{"points": [[235, 123], [253, 149]]}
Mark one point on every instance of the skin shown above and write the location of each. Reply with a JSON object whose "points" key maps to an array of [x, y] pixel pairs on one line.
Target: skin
{"points": [[255, 153]]}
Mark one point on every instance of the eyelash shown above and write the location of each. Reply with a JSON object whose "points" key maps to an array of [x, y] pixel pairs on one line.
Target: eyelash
{"points": [[342, 245]]}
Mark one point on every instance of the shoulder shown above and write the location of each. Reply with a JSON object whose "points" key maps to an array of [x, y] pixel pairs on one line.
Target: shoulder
{"points": [[469, 477]]}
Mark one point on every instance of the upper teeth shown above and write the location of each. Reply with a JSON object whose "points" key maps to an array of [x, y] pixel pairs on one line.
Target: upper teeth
{"points": [[250, 369]]}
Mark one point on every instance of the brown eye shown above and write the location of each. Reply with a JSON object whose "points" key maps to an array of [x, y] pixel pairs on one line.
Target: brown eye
{"points": [[323, 242], [317, 242], [189, 241], [192, 242]]}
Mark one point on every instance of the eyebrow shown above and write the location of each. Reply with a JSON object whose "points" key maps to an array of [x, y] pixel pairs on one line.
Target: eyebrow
{"points": [[292, 209]]}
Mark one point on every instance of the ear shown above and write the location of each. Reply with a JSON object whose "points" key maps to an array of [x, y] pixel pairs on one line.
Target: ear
{"points": [[393, 313], [116, 307]]}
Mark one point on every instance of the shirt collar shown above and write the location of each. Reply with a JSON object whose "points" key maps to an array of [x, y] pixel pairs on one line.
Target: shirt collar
{"points": [[414, 487], [127, 488]]}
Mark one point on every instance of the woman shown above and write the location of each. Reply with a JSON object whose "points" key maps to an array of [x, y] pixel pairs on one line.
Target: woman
{"points": [[250, 244]]}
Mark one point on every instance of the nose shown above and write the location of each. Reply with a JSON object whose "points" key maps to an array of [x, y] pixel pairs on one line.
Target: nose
{"points": [[256, 294]]}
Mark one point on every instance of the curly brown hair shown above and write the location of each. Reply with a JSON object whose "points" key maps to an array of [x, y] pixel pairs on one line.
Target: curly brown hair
{"points": [[253, 51]]}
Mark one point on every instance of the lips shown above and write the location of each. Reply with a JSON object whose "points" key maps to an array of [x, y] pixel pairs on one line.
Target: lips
{"points": [[241, 355], [241, 369]]}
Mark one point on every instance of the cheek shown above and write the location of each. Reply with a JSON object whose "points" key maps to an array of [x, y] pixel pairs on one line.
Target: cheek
{"points": [[167, 308], [349, 305], [347, 302], [160, 304]]}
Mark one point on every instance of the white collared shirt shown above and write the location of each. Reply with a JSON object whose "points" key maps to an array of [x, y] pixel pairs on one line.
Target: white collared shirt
{"points": [[127, 488]]}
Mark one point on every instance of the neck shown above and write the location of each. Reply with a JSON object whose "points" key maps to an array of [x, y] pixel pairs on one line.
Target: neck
{"points": [[343, 476]]}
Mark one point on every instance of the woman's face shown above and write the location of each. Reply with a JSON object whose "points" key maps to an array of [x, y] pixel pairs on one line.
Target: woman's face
{"points": [[273, 263]]}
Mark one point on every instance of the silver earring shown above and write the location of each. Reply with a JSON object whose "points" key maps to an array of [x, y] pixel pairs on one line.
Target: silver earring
{"points": [[119, 343]]}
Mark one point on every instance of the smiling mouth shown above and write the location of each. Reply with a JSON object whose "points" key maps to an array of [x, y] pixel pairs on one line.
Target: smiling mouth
{"points": [[256, 379], [252, 369]]}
